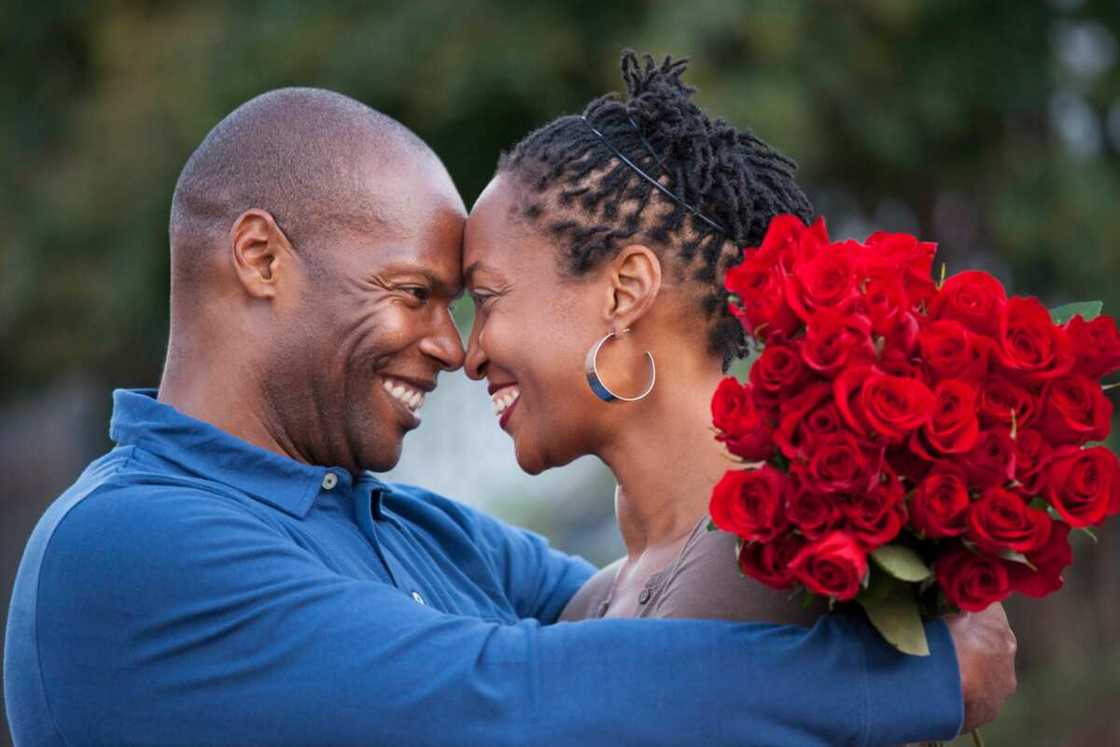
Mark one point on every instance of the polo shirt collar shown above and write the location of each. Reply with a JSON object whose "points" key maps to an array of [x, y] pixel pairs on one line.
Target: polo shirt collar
{"points": [[139, 419]]}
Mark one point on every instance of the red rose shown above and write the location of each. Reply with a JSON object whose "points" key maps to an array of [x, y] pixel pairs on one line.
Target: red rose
{"points": [[950, 350], [899, 343], [1048, 561], [750, 503], [778, 372], [1029, 343], [825, 281], [790, 435], [744, 429], [992, 460], [972, 581], [789, 241], [1075, 410], [1032, 457], [762, 307], [903, 254], [999, 396], [892, 406], [814, 514], [885, 301], [833, 566], [1096, 345], [833, 339], [823, 421], [876, 517], [1002, 521], [953, 427], [769, 561], [939, 506], [1081, 484], [904, 461], [840, 463], [975, 299]]}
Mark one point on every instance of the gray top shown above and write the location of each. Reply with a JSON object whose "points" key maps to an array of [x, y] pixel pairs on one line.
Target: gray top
{"points": [[703, 582]]}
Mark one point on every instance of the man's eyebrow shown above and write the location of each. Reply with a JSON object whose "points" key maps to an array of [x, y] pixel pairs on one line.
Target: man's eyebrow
{"points": [[439, 285], [442, 287]]}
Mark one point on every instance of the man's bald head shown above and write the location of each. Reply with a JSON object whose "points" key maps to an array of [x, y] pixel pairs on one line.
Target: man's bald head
{"points": [[316, 249], [303, 155]]}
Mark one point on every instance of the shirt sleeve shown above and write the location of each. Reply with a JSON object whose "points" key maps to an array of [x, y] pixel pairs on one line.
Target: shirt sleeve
{"points": [[179, 619], [537, 579]]}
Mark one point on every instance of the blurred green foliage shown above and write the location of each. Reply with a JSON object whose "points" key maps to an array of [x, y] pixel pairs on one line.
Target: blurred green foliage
{"points": [[992, 127]]}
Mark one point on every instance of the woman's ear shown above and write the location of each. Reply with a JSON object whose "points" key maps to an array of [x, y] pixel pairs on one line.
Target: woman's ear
{"points": [[635, 281]]}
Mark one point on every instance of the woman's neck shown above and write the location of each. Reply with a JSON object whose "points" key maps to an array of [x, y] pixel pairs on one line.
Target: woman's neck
{"points": [[666, 460]]}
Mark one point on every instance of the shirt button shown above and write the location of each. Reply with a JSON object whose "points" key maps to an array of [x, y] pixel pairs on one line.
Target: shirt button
{"points": [[329, 481], [418, 598], [644, 596]]}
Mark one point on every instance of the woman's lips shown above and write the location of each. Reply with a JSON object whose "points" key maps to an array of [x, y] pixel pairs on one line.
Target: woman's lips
{"points": [[503, 400]]}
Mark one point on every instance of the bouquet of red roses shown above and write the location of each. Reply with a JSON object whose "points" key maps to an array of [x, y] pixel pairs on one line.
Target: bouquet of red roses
{"points": [[915, 446]]}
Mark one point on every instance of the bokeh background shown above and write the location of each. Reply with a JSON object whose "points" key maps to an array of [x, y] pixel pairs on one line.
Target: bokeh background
{"points": [[991, 127]]}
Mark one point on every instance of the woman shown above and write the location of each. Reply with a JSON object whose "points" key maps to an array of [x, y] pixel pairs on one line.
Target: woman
{"points": [[603, 237]]}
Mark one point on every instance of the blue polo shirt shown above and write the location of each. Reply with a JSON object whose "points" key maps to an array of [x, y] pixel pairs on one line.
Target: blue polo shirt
{"points": [[193, 589]]}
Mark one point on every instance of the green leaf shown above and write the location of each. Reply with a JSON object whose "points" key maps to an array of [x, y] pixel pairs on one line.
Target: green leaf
{"points": [[1089, 310], [902, 563], [896, 618], [1018, 557], [712, 526], [1091, 533]]}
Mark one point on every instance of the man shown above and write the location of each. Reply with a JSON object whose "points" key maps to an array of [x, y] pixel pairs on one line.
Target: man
{"points": [[231, 573]]}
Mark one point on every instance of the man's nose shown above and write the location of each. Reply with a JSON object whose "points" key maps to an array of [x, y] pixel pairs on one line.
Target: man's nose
{"points": [[444, 344], [476, 356]]}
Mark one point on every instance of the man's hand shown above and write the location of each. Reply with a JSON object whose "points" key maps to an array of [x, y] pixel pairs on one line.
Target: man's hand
{"points": [[986, 654]]}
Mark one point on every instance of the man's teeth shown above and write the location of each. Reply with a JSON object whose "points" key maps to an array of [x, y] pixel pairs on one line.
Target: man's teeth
{"points": [[411, 398], [502, 400]]}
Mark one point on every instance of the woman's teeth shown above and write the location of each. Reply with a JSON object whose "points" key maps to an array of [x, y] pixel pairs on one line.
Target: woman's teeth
{"points": [[501, 400], [411, 398]]}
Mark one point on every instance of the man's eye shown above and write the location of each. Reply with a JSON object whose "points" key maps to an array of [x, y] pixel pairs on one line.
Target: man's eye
{"points": [[420, 293], [480, 298]]}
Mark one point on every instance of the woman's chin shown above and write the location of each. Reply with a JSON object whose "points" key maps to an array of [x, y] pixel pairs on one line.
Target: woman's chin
{"points": [[534, 461], [530, 463]]}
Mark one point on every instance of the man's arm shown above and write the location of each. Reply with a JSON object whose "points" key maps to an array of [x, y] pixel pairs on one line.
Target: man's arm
{"points": [[151, 631], [536, 579]]}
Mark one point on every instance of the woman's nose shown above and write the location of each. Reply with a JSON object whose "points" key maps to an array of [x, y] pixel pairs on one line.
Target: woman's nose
{"points": [[476, 356]]}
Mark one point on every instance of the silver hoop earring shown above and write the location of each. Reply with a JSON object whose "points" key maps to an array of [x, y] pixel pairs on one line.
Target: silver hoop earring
{"points": [[591, 366]]}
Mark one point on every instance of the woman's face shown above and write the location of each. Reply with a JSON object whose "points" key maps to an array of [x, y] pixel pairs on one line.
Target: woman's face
{"points": [[532, 329]]}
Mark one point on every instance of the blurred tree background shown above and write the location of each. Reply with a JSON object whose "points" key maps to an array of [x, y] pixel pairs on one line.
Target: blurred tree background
{"points": [[991, 127]]}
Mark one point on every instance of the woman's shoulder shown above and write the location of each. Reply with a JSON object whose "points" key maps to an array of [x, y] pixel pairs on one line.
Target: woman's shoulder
{"points": [[706, 583], [592, 594]]}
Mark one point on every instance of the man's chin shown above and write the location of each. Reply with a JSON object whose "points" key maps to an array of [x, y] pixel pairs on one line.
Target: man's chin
{"points": [[382, 460]]}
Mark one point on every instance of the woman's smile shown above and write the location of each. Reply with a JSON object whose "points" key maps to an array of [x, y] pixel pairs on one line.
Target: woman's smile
{"points": [[503, 398]]}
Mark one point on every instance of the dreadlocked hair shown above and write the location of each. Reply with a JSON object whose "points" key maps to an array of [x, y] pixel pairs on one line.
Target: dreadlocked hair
{"points": [[593, 204]]}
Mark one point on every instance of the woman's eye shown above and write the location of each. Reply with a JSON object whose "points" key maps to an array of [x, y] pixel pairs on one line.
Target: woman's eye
{"points": [[480, 298]]}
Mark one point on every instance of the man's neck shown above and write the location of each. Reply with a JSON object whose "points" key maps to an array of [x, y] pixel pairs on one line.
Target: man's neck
{"points": [[202, 386]]}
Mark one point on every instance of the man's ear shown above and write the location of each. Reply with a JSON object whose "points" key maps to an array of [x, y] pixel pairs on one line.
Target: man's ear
{"points": [[635, 281], [259, 250]]}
